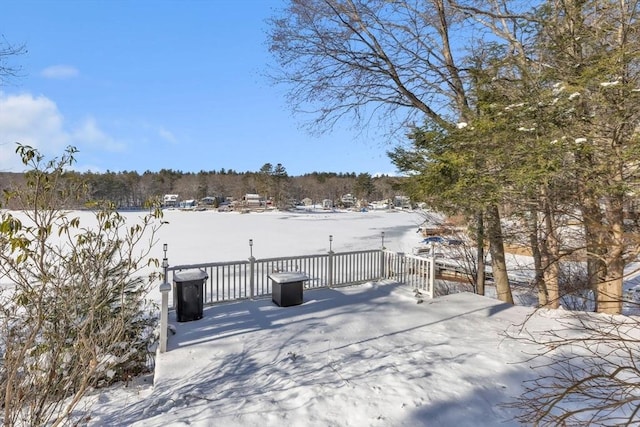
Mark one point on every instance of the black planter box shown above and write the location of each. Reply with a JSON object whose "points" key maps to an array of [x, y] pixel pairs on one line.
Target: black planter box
{"points": [[286, 288], [188, 294]]}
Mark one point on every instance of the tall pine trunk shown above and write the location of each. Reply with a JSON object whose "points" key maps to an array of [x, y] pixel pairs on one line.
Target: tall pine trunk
{"points": [[611, 287], [480, 254], [551, 251], [496, 248], [535, 244], [593, 225]]}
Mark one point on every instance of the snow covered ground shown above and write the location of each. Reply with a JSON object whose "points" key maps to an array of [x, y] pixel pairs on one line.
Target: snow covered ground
{"points": [[358, 356], [207, 236], [367, 355]]}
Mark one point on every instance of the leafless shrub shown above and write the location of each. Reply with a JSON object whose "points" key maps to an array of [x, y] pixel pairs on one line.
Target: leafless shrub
{"points": [[575, 291], [448, 287], [589, 374]]}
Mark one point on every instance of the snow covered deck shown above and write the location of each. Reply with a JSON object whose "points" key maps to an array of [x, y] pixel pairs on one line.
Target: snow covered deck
{"points": [[361, 355]]}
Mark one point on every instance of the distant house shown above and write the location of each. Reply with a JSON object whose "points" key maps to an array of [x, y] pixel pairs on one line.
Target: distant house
{"points": [[348, 200], [226, 206], [327, 204], [402, 202], [379, 205], [251, 200], [170, 200], [208, 201], [188, 204], [307, 201]]}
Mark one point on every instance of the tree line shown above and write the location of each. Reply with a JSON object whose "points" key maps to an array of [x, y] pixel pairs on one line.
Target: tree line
{"points": [[131, 190]]}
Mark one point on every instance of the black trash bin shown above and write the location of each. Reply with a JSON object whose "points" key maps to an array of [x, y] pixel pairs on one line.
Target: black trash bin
{"points": [[188, 294]]}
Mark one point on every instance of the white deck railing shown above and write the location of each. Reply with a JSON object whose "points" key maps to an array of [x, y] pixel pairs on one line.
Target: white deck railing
{"points": [[248, 279]]}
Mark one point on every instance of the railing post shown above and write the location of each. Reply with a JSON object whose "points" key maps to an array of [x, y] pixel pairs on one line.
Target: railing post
{"points": [[165, 288], [252, 264], [383, 274], [330, 266], [399, 269], [432, 270]]}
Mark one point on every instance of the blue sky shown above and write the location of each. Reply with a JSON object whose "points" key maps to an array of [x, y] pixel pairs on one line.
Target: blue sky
{"points": [[151, 84]]}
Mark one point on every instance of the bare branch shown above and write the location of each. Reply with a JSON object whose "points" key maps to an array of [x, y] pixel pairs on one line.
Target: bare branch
{"points": [[351, 57], [7, 52]]}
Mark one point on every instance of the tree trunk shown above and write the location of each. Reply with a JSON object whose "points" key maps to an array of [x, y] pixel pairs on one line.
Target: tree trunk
{"points": [[609, 292], [535, 244], [480, 254], [496, 248], [610, 289], [551, 249], [592, 220]]}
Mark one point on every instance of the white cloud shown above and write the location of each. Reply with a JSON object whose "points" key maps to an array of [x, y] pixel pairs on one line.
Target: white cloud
{"points": [[37, 121], [60, 72], [167, 135], [90, 134], [29, 120]]}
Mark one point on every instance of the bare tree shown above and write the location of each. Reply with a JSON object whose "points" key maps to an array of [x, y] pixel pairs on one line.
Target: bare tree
{"points": [[375, 59]]}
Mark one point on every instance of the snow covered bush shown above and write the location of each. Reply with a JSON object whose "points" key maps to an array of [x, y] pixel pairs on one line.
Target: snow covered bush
{"points": [[75, 314]]}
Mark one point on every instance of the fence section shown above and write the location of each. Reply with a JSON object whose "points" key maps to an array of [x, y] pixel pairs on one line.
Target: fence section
{"points": [[414, 271], [235, 280], [350, 268]]}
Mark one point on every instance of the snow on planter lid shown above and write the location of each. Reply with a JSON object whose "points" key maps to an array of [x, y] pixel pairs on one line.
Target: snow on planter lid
{"points": [[288, 276], [190, 275]]}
